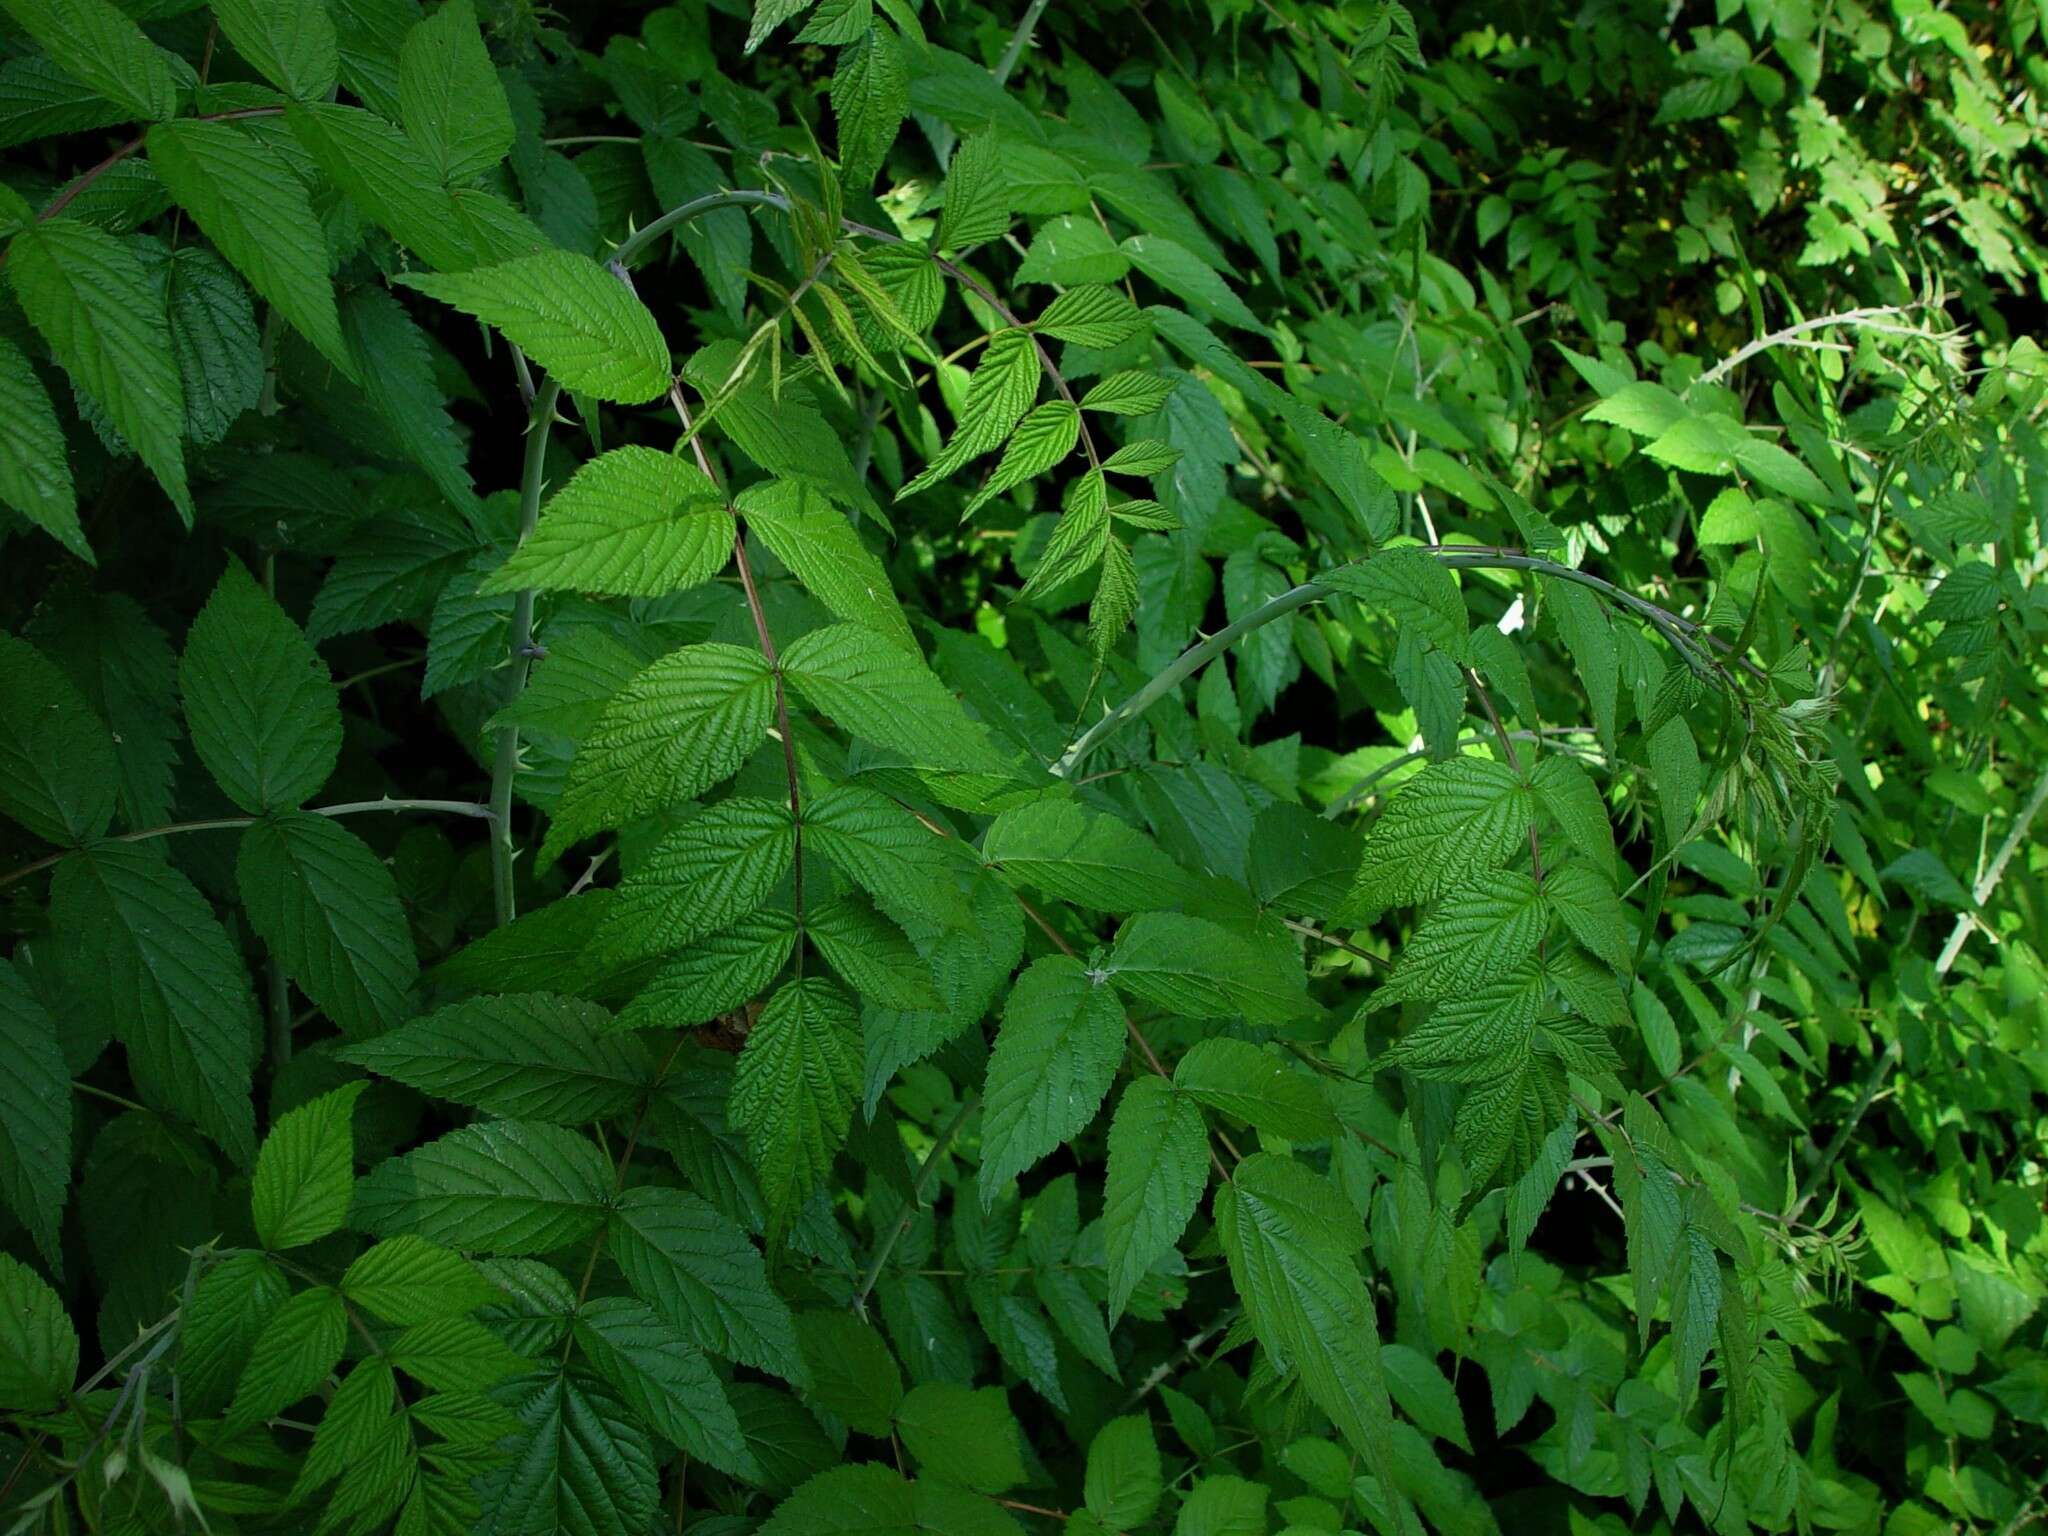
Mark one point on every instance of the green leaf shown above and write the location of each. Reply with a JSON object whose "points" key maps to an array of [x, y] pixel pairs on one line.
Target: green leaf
{"points": [[875, 690], [90, 297], [1143, 457], [704, 1277], [397, 373], [1124, 1480], [853, 1375], [454, 1354], [35, 1116], [666, 1381], [999, 392], [35, 468], [580, 1463], [407, 1280], [529, 1056], [327, 908], [793, 1093], [291, 42], [569, 315], [1042, 439], [1412, 590], [870, 99], [974, 193], [298, 1347], [871, 954], [499, 1186], [716, 867], [960, 1435], [1646, 409], [1586, 900], [1201, 970], [1450, 821], [1256, 1086], [1094, 316], [1070, 852], [1424, 1393], [1573, 801], [821, 549], [449, 97], [232, 1304], [1184, 274], [852, 1500], [1158, 1163], [148, 962], [1130, 393], [98, 46], [264, 715], [681, 726], [214, 339], [718, 973], [633, 522], [249, 201], [874, 841], [57, 768], [1074, 249], [386, 175], [38, 1346], [1475, 935], [305, 1172], [1061, 1041], [1291, 1242]]}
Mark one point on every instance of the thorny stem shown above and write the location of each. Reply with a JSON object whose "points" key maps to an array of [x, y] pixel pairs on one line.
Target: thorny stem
{"points": [[225, 823], [505, 761], [926, 1172], [1859, 319], [1019, 41]]}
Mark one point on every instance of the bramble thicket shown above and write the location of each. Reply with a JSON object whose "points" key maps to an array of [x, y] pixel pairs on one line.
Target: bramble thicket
{"points": [[864, 768]]}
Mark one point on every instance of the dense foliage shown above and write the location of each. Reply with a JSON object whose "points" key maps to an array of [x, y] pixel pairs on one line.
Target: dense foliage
{"points": [[1215, 766]]}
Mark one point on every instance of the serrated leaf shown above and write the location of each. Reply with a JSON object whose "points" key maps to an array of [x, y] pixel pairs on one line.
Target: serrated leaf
{"points": [[1256, 1086], [500, 1186], [705, 1278], [1115, 600], [214, 339], [883, 850], [1096, 315], [263, 713], [1451, 820], [875, 690], [305, 1171], [1202, 970], [853, 1375], [580, 1463], [1042, 439], [1586, 900], [963, 1435], [35, 468], [1291, 1243], [1068, 851], [249, 202], [634, 522], [449, 96], [57, 765], [1476, 934], [291, 42], [793, 1093], [999, 392], [862, 1499], [1143, 457], [397, 373], [90, 297], [1061, 1041], [974, 193], [664, 1380], [149, 963], [707, 874], [1158, 1164], [1413, 591], [99, 47], [1572, 800], [292, 1356], [1129, 393], [1185, 275], [1124, 1479], [528, 1056], [870, 99], [388, 177], [1646, 409], [681, 726], [454, 1354], [468, 635], [230, 1307], [38, 1346], [569, 315], [719, 972], [328, 910], [35, 1116], [821, 549], [870, 954], [407, 1280]]}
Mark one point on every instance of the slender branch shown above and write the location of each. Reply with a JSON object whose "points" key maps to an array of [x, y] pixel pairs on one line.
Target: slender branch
{"points": [[1859, 319], [1019, 41], [925, 1173], [228, 823], [505, 761], [92, 174], [1681, 633]]}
